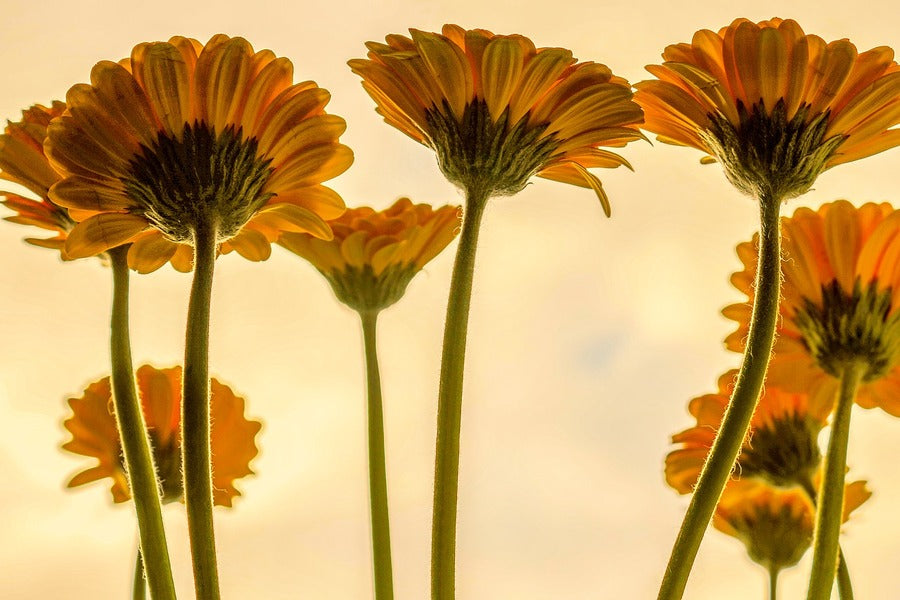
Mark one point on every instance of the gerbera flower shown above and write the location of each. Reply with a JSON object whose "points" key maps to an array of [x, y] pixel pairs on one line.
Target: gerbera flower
{"points": [[496, 110], [781, 447], [184, 136], [840, 332], [775, 524], [22, 161], [94, 434], [374, 254], [841, 296], [369, 262], [773, 105]]}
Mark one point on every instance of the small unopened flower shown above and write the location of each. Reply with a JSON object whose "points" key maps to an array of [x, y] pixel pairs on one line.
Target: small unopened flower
{"points": [[94, 434], [184, 136], [374, 254], [775, 524], [497, 111], [781, 447], [841, 301], [773, 105]]}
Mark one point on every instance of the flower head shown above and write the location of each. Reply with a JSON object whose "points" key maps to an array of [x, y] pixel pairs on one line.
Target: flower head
{"points": [[774, 105], [184, 135], [841, 301], [93, 429], [775, 524], [22, 161], [781, 447], [496, 110], [374, 254]]}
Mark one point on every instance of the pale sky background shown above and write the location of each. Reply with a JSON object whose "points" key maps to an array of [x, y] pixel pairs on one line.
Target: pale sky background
{"points": [[587, 338]]}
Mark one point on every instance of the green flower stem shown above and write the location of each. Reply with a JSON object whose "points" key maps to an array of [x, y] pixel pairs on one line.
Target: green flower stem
{"points": [[139, 586], [773, 583], [830, 508], [139, 465], [736, 421], [195, 418], [845, 585], [378, 496], [446, 460]]}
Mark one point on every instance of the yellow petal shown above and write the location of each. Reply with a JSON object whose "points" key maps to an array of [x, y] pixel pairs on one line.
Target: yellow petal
{"points": [[102, 232], [501, 71], [150, 251]]}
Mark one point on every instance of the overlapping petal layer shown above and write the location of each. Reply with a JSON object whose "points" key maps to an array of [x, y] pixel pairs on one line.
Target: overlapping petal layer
{"points": [[781, 446], [374, 254], [478, 80], [182, 130], [768, 63], [22, 161], [840, 263]]}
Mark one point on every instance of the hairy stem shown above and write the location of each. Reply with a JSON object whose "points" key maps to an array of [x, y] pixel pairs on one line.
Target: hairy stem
{"points": [[378, 496], [830, 508], [736, 421], [446, 467], [139, 466], [195, 419]]}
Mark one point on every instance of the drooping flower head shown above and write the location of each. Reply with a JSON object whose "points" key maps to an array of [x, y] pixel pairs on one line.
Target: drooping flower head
{"points": [[841, 296], [775, 524], [781, 447], [22, 161], [94, 433], [182, 136], [774, 105], [496, 110], [374, 254]]}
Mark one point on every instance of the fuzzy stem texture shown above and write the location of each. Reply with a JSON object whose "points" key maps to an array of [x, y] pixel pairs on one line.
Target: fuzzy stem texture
{"points": [[736, 421], [446, 467], [195, 418], [139, 466], [139, 585], [830, 508], [378, 495]]}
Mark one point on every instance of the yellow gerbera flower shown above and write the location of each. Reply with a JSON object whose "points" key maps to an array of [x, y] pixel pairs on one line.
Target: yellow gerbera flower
{"points": [[93, 429], [775, 106], [182, 136], [22, 161], [841, 296], [775, 524], [780, 448], [496, 110], [374, 254]]}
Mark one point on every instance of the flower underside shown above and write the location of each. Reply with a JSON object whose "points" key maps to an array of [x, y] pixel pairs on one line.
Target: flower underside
{"points": [[362, 290], [483, 156], [775, 539], [856, 328], [784, 452], [769, 155], [199, 178]]}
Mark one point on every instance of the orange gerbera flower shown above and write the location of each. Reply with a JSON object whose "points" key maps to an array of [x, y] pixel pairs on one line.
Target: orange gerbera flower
{"points": [[93, 429], [374, 254], [781, 447], [841, 296], [775, 524], [182, 136], [22, 161], [497, 110], [773, 105]]}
